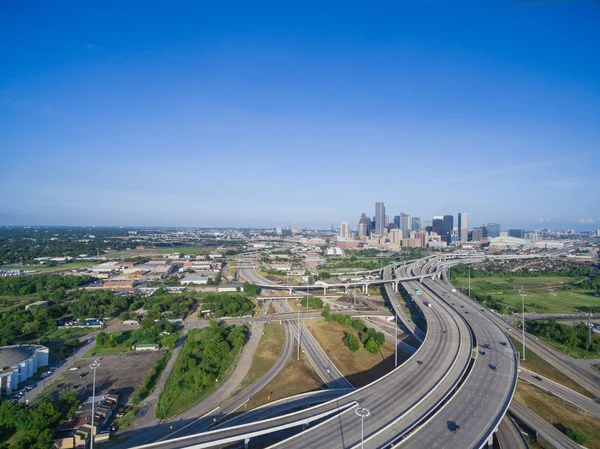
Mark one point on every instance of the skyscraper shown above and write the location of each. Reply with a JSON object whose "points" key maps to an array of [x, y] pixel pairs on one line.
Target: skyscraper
{"points": [[405, 224], [518, 233], [362, 231], [416, 224], [397, 221], [447, 226], [345, 230], [492, 229], [436, 224], [379, 218], [463, 226]]}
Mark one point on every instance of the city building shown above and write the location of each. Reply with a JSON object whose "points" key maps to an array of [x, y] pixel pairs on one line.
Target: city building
{"points": [[437, 225], [463, 227], [19, 363], [416, 224], [362, 231], [397, 221], [387, 221], [517, 233], [230, 288], [405, 224], [447, 227], [379, 218], [396, 237], [492, 230], [477, 234], [509, 243], [199, 280], [345, 230]]}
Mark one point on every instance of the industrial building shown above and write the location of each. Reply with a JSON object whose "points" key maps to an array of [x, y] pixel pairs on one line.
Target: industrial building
{"points": [[19, 363]]}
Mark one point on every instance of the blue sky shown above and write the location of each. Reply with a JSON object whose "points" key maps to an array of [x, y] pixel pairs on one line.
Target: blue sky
{"points": [[264, 114]]}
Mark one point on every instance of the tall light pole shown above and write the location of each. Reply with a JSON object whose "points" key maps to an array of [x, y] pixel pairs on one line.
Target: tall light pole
{"points": [[523, 320], [362, 413], [298, 306], [469, 281], [94, 366], [589, 324], [396, 353]]}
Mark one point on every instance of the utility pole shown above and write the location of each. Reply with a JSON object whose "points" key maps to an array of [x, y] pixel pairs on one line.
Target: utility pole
{"points": [[94, 366], [523, 320]]}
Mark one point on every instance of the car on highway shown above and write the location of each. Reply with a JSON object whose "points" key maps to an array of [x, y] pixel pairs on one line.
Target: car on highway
{"points": [[419, 362], [482, 352], [537, 377], [503, 343], [493, 367], [327, 370]]}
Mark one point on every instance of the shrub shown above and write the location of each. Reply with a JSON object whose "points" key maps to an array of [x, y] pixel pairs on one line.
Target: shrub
{"points": [[351, 341]]}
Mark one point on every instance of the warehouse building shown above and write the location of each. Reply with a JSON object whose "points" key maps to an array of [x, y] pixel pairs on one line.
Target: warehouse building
{"points": [[19, 363]]}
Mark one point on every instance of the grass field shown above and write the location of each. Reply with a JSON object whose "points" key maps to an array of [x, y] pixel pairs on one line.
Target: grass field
{"points": [[360, 367], [538, 365], [295, 378], [559, 413], [43, 269], [266, 354], [538, 299]]}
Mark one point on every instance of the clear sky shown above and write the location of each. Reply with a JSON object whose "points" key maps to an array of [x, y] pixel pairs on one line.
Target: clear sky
{"points": [[266, 113]]}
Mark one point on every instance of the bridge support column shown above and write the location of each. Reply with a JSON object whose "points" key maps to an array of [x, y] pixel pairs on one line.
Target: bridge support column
{"points": [[291, 290], [246, 443], [365, 289], [346, 289], [324, 291], [490, 441], [396, 287]]}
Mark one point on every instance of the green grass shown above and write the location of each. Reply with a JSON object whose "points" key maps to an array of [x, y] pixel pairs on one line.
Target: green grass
{"points": [[535, 363], [269, 348], [183, 388], [42, 269], [578, 353], [537, 300]]}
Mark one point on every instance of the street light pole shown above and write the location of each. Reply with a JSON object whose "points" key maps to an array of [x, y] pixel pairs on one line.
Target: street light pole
{"points": [[94, 366], [298, 306], [362, 413], [523, 321], [469, 281], [396, 353]]}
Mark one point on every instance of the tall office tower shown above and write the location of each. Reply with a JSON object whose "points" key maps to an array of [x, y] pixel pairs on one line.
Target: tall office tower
{"points": [[416, 224], [345, 230], [447, 226], [372, 225], [427, 226], [492, 229], [362, 231], [437, 224], [463, 227], [477, 234], [363, 218], [387, 221], [397, 221], [597, 232], [379, 218], [294, 230], [519, 233], [405, 224]]}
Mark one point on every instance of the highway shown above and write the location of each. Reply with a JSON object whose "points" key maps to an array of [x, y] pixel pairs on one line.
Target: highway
{"points": [[397, 401], [319, 360], [509, 436], [587, 378], [562, 392], [544, 429]]}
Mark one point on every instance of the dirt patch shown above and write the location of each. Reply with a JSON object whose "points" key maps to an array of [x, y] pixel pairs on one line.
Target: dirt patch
{"points": [[559, 413], [296, 377], [360, 367]]}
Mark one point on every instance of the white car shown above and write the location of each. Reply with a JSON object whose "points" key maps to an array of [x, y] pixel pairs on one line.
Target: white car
{"points": [[75, 368], [327, 370]]}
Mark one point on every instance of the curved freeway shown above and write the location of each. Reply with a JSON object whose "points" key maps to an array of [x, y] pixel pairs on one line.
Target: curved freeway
{"points": [[447, 379]]}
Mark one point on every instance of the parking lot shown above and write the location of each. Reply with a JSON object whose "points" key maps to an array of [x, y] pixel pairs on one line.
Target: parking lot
{"points": [[117, 372]]}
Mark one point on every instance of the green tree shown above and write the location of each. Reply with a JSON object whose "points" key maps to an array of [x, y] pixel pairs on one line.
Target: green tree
{"points": [[372, 346]]}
